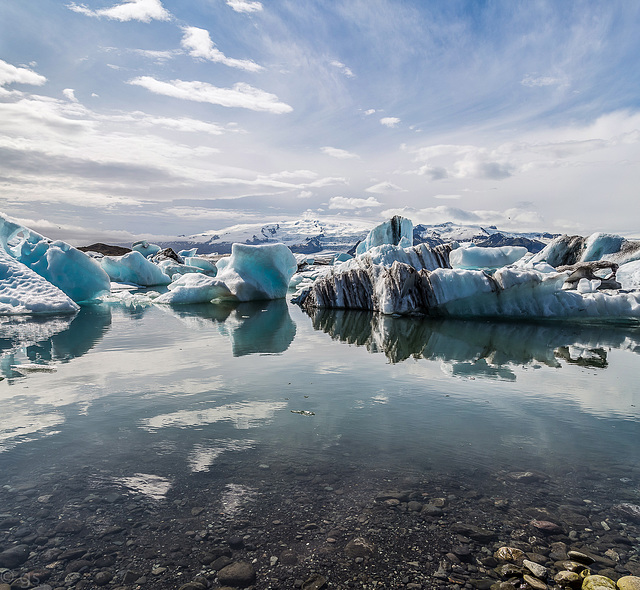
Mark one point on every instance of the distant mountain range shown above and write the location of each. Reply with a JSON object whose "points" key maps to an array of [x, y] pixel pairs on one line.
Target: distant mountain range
{"points": [[311, 236]]}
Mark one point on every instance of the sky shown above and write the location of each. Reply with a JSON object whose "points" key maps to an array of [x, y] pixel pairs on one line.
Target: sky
{"points": [[128, 118]]}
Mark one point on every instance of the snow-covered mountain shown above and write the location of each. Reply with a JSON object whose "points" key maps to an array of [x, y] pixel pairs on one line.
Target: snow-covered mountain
{"points": [[315, 235]]}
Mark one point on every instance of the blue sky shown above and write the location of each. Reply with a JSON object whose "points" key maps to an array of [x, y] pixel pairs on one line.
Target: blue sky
{"points": [[160, 117]]}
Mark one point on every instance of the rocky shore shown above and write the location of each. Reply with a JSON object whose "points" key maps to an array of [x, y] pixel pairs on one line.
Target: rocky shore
{"points": [[283, 525]]}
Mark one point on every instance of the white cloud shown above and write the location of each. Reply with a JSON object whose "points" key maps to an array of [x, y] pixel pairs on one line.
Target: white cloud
{"points": [[69, 94], [344, 69], [389, 121], [447, 197], [338, 153], [383, 187], [244, 5], [199, 44], [304, 194], [532, 81], [159, 56], [142, 10], [241, 95], [10, 74], [352, 203], [369, 112]]}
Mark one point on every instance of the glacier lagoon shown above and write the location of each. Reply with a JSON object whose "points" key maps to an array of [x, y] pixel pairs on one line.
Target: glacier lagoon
{"points": [[347, 445]]}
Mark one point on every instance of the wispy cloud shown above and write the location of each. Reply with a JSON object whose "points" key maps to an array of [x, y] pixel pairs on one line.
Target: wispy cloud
{"points": [[10, 74], [338, 153], [240, 95], [244, 5], [70, 94], [199, 44], [383, 187], [141, 10], [533, 81], [353, 203], [390, 121], [344, 69]]}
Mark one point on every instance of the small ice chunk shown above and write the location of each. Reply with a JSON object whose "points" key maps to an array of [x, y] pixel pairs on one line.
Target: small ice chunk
{"points": [[133, 267], [475, 257], [588, 286], [195, 288], [598, 245], [188, 253], [145, 248], [342, 257], [208, 266]]}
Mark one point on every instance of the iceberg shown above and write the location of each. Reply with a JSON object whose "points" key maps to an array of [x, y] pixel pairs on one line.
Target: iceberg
{"points": [[145, 248], [257, 272], [188, 253], [476, 257], [629, 275], [26, 292], [204, 264], [73, 272], [133, 267], [398, 231], [251, 273], [195, 288]]}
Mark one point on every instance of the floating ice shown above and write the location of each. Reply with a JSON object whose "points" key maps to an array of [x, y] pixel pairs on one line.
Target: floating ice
{"points": [[145, 248], [133, 267], [72, 271], [188, 253], [195, 288], [24, 291], [629, 275], [398, 231], [204, 264], [257, 272], [475, 257], [174, 269]]}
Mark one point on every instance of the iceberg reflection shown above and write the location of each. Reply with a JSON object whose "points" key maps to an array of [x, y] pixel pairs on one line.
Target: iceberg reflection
{"points": [[41, 340], [478, 348]]}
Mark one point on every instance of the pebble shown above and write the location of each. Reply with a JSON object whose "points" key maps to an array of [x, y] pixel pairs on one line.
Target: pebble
{"points": [[629, 583], [534, 582], [539, 571], [598, 583]]}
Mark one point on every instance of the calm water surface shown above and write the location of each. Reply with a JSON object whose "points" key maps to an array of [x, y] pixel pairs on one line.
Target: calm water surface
{"points": [[152, 396]]}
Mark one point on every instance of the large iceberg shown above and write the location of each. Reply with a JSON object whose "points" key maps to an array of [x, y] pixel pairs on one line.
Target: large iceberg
{"points": [[23, 291], [133, 267], [80, 277], [398, 231]]}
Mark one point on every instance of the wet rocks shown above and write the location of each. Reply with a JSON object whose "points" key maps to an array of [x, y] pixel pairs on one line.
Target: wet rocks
{"points": [[359, 547], [239, 574], [14, 556], [629, 583], [598, 583], [628, 511]]}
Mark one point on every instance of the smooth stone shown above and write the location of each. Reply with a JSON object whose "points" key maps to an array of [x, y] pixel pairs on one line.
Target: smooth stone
{"points": [[539, 571], [534, 582], [103, 578], [629, 583], [315, 582], [598, 583], [580, 557], [14, 556], [240, 574]]}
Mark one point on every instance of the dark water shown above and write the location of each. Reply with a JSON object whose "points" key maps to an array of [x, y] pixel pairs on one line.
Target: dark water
{"points": [[171, 392]]}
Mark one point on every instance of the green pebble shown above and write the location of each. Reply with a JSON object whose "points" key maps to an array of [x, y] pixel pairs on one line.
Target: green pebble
{"points": [[598, 583]]}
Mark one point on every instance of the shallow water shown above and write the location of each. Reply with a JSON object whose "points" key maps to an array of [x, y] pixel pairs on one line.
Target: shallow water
{"points": [[148, 399]]}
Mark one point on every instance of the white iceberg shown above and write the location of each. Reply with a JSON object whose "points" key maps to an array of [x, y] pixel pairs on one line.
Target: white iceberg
{"points": [[23, 291], [195, 288], [80, 277], [476, 257], [133, 267], [398, 231], [188, 253]]}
